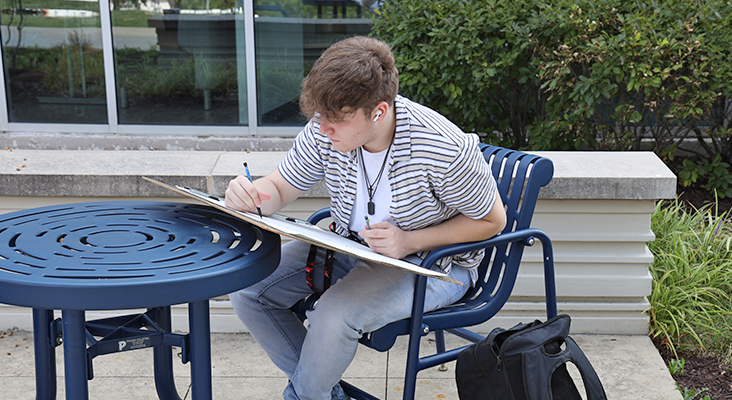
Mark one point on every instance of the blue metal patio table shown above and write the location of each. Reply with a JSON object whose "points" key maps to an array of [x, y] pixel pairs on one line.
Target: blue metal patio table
{"points": [[123, 255]]}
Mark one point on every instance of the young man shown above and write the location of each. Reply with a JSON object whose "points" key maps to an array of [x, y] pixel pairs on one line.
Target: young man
{"points": [[422, 183]]}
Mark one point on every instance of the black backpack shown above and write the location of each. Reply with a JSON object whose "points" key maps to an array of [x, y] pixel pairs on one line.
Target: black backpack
{"points": [[526, 362]]}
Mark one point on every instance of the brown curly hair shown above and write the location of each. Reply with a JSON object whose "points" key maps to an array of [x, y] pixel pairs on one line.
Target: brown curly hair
{"points": [[355, 73]]}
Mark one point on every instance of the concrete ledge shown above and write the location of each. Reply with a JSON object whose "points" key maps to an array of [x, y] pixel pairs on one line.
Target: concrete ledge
{"points": [[154, 138], [577, 175], [608, 175], [597, 211]]}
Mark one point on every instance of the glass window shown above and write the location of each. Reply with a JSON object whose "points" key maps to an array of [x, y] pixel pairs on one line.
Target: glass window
{"points": [[180, 62], [176, 62], [290, 35], [54, 69]]}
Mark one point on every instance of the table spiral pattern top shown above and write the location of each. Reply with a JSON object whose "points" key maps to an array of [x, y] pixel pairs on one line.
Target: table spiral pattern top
{"points": [[121, 242]]}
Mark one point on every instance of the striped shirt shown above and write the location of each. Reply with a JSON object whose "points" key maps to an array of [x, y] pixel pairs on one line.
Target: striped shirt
{"points": [[438, 172]]}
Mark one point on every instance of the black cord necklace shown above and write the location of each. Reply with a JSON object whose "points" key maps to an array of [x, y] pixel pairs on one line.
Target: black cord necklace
{"points": [[371, 187]]}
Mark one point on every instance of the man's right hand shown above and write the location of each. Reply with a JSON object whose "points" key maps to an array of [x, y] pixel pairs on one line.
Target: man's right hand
{"points": [[243, 195]]}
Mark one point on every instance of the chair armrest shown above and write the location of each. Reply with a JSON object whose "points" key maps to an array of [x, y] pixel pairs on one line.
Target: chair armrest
{"points": [[522, 235], [526, 236], [318, 215]]}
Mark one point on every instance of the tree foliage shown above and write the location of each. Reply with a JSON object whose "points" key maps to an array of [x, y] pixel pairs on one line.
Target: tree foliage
{"points": [[575, 74], [567, 74]]}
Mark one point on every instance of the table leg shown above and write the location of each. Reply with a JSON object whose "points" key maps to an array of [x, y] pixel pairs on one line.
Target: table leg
{"points": [[163, 359], [45, 354], [75, 356], [200, 351]]}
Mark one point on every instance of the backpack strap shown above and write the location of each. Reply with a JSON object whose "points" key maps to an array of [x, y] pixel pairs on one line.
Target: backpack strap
{"points": [[539, 362], [593, 386]]}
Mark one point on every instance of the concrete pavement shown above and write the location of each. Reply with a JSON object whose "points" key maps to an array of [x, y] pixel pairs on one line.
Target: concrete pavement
{"points": [[628, 366]]}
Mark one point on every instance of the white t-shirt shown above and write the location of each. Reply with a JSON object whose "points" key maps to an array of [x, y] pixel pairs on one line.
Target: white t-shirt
{"points": [[382, 197]]}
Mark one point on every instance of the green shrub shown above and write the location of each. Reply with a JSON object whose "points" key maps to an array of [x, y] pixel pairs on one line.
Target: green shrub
{"points": [[712, 175], [635, 70], [470, 60], [568, 74]]}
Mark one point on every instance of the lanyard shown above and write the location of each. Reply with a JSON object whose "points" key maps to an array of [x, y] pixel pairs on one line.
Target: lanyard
{"points": [[327, 268]]}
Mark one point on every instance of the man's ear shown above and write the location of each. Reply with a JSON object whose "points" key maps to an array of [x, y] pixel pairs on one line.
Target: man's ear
{"points": [[381, 109]]}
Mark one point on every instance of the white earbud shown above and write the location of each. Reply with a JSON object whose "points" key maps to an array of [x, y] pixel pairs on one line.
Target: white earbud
{"points": [[378, 115]]}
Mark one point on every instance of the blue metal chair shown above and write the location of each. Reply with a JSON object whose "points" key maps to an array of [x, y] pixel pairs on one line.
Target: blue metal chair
{"points": [[519, 177]]}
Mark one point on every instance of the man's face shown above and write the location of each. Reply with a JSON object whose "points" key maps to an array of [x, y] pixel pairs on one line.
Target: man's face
{"points": [[350, 132]]}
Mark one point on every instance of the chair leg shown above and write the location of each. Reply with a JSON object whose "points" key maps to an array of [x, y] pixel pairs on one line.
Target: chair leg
{"points": [[416, 329], [440, 343], [550, 291], [410, 376]]}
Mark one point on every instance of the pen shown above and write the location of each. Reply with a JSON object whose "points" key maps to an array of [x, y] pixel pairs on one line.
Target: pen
{"points": [[246, 168], [368, 223]]}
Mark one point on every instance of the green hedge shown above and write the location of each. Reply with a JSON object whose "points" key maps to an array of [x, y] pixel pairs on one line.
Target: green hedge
{"points": [[563, 75]]}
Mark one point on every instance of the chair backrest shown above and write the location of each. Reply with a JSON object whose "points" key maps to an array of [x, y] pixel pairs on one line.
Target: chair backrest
{"points": [[519, 176]]}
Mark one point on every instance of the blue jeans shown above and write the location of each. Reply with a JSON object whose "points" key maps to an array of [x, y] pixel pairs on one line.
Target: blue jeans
{"points": [[364, 297]]}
